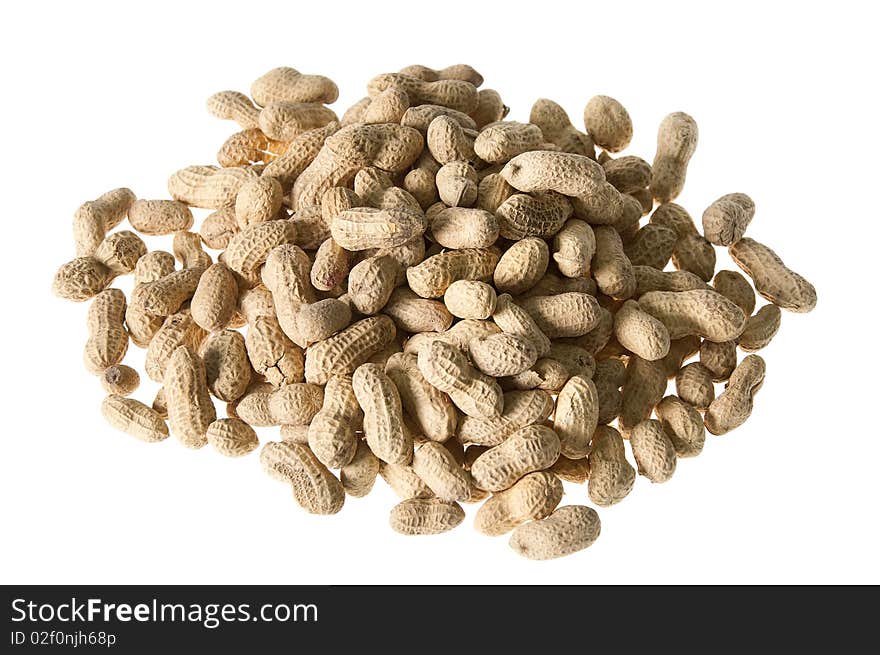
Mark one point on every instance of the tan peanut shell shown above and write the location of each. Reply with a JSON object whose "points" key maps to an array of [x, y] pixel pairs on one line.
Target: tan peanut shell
{"points": [[459, 227], [248, 249], [470, 299], [701, 311], [363, 228], [80, 279], [359, 475], [94, 218], [521, 408], [456, 184], [227, 368], [502, 354], [411, 313], [318, 321], [644, 387], [190, 409], [683, 425], [219, 227], [389, 147], [284, 121], [649, 278], [234, 106], [541, 171], [436, 466], [725, 220], [133, 417], [612, 269], [576, 416], [159, 216], [773, 279], [285, 84], [108, 340], [529, 449], [760, 328], [430, 408], [232, 437], [567, 530], [502, 141], [449, 142], [652, 245], [534, 496], [539, 215], [719, 358], [208, 187], [653, 451], [446, 368], [432, 277], [693, 384], [455, 94], [120, 380], [332, 434], [556, 128], [342, 353], [490, 108], [546, 374], [258, 201], [692, 252], [676, 144], [641, 333], [404, 482], [383, 414], [271, 353], [627, 174], [571, 314], [295, 404], [301, 152], [178, 329], [609, 376], [514, 319], [611, 475], [734, 405], [575, 359], [522, 265], [166, 295], [680, 350], [734, 286], [573, 248], [215, 298], [608, 123], [420, 117], [315, 489], [425, 516]]}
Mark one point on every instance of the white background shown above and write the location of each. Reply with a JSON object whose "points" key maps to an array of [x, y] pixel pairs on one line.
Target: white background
{"points": [[104, 95]]}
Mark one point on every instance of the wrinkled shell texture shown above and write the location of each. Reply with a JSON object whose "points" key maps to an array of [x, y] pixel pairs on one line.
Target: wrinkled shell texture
{"points": [[421, 289]]}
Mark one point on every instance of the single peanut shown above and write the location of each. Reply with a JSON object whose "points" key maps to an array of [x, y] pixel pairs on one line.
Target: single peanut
{"points": [[534, 496], [608, 123], [425, 516], [725, 220], [676, 144], [734, 405], [683, 425], [773, 279], [576, 417], [567, 530], [315, 489], [383, 416], [611, 475], [190, 410], [134, 418], [532, 448], [653, 451]]}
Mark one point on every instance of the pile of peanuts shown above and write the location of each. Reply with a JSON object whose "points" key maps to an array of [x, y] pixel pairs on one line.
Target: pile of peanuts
{"points": [[458, 303]]}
